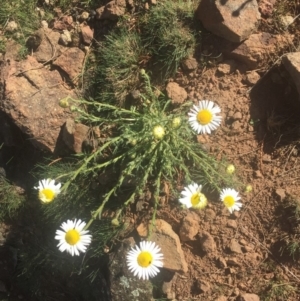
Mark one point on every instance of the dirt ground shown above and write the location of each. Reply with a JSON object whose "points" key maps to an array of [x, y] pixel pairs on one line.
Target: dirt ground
{"points": [[259, 136]]}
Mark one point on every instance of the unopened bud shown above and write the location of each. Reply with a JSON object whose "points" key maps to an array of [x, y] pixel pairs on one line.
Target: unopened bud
{"points": [[176, 122], [230, 169], [115, 222], [158, 132], [248, 188], [64, 103]]}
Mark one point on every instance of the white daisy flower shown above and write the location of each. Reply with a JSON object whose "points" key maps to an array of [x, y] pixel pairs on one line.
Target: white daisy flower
{"points": [[144, 261], [203, 117], [192, 197], [230, 198], [73, 239], [48, 190]]}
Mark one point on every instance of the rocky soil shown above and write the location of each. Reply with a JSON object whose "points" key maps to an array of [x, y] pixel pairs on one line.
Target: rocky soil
{"points": [[249, 64]]}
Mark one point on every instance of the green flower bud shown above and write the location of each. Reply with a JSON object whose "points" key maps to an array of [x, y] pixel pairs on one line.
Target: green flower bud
{"points": [[64, 103], [132, 142], [248, 188], [73, 108], [230, 169], [176, 122], [115, 222], [142, 72], [158, 132]]}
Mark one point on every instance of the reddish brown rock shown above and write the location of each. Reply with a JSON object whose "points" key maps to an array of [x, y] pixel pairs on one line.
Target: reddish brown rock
{"points": [[207, 243], [227, 67], [112, 10], [163, 235], [87, 34], [231, 20], [31, 98], [292, 64], [65, 22], [256, 50], [71, 61], [176, 93], [49, 49], [74, 134], [190, 64], [189, 227], [252, 78], [266, 8], [248, 297]]}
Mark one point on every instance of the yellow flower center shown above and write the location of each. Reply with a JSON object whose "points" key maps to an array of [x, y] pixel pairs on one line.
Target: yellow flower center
{"points": [[47, 193], [72, 237], [198, 200], [144, 259], [204, 117], [229, 201], [195, 199]]}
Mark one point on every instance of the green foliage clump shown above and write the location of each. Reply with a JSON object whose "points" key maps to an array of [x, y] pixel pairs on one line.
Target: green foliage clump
{"points": [[291, 236], [11, 200], [24, 13], [160, 38], [168, 35], [118, 65]]}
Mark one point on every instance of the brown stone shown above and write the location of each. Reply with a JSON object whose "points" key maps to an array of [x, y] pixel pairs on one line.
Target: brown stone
{"points": [[227, 67], [176, 93], [163, 235], [189, 227], [266, 8], [221, 298], [256, 50], [252, 78], [234, 246], [31, 99], [207, 243], [248, 297], [49, 49], [87, 34], [203, 286], [74, 134], [292, 64], [190, 64], [112, 10], [168, 287], [231, 20], [71, 61], [65, 22]]}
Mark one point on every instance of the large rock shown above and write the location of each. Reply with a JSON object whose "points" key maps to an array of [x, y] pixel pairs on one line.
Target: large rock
{"points": [[123, 285], [71, 61], [255, 51], [163, 235], [231, 20], [31, 98], [48, 48], [292, 63], [112, 10]]}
